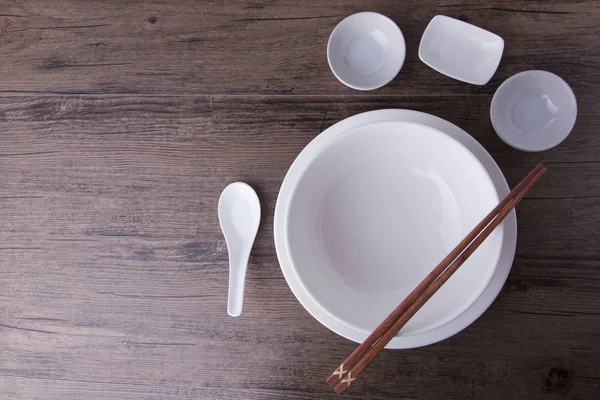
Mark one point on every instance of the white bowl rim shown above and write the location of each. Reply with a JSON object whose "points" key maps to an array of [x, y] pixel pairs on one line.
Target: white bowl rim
{"points": [[517, 76]]}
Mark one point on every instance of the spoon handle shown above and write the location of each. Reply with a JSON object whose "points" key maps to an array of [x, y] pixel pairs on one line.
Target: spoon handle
{"points": [[238, 264]]}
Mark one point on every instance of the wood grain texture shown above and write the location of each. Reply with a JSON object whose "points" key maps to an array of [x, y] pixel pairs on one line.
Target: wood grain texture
{"points": [[121, 122], [115, 271], [216, 47]]}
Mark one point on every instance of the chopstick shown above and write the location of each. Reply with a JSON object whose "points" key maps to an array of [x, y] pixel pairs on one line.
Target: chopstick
{"points": [[349, 370]]}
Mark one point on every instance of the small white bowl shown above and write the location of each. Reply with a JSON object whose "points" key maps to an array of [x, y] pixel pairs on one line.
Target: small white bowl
{"points": [[366, 51], [460, 50], [533, 110]]}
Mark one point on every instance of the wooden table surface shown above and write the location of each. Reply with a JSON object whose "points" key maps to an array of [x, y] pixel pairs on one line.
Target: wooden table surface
{"points": [[122, 121]]}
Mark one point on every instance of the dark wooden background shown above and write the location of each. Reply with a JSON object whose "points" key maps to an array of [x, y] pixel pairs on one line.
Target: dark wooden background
{"points": [[121, 122]]}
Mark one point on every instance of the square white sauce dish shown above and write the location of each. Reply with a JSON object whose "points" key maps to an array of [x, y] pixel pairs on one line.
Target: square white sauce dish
{"points": [[460, 50]]}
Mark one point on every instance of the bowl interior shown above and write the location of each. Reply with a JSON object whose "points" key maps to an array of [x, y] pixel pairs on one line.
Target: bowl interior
{"points": [[534, 110], [366, 50], [376, 210]]}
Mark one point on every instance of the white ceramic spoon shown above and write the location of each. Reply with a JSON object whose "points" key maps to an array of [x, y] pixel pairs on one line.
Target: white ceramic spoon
{"points": [[239, 216]]}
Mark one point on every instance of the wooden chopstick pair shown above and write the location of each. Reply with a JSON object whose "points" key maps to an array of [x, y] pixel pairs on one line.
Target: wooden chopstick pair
{"points": [[349, 370]]}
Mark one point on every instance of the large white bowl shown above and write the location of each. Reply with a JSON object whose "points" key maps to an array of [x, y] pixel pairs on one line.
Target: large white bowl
{"points": [[374, 210], [401, 340]]}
